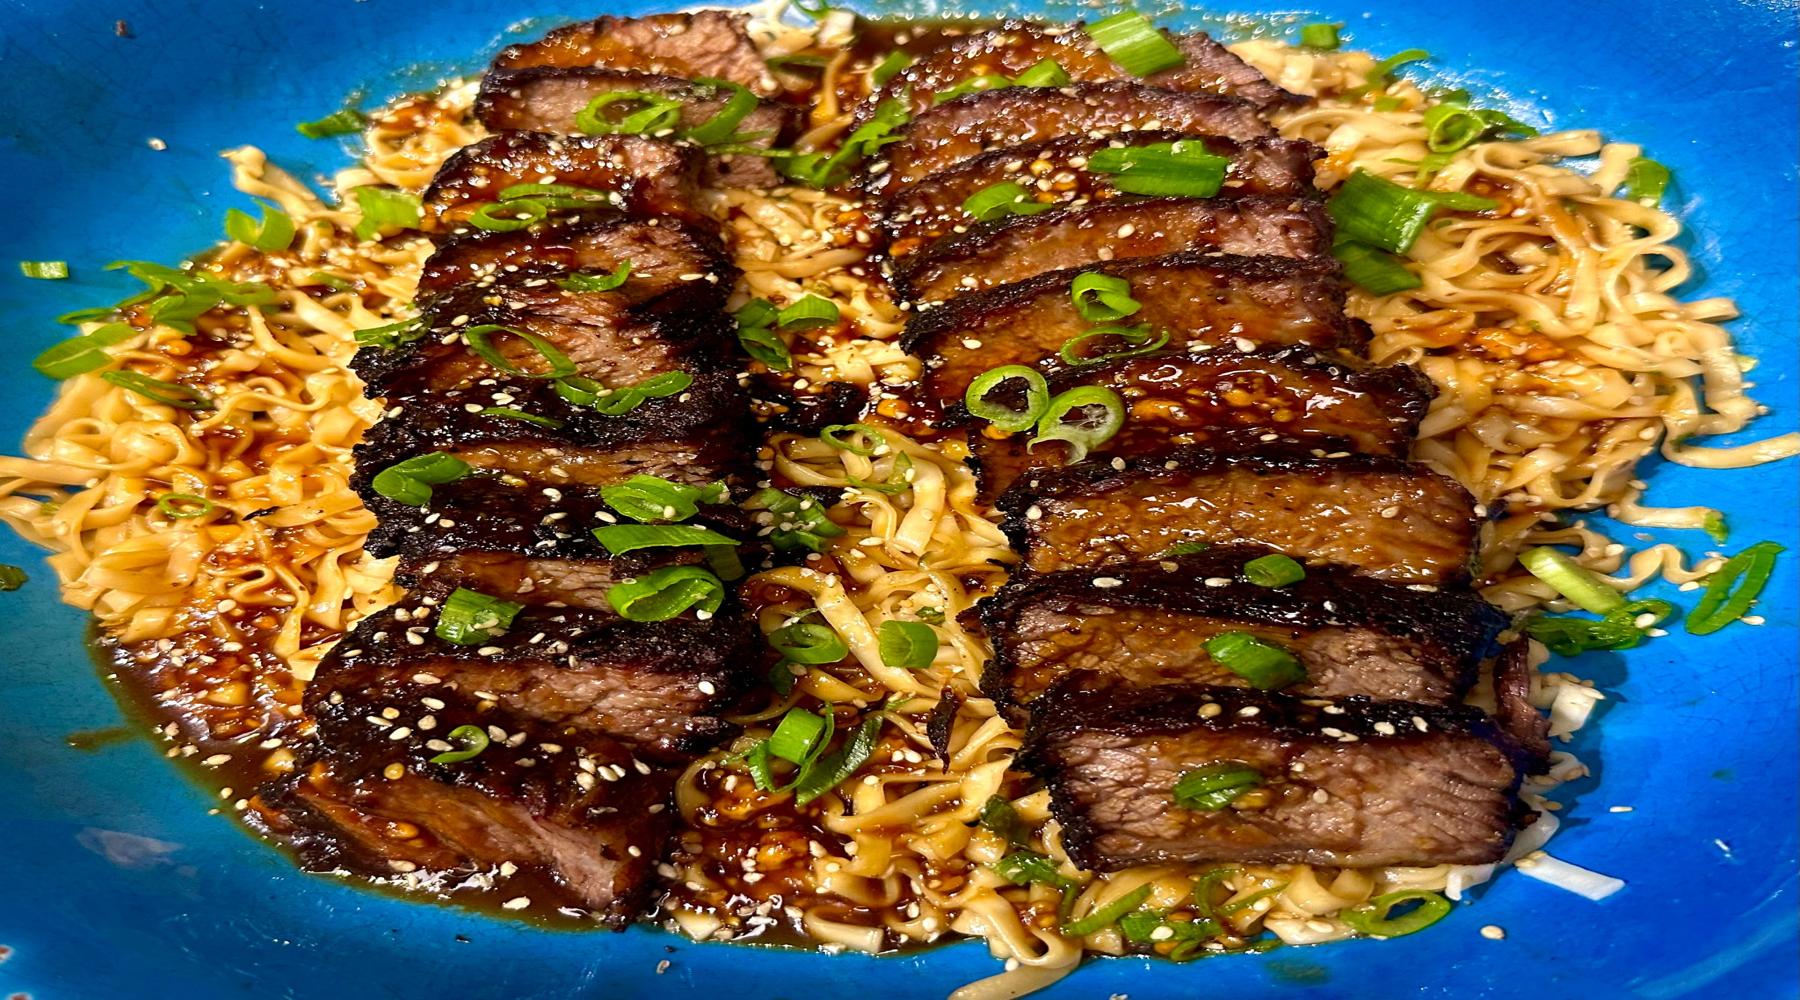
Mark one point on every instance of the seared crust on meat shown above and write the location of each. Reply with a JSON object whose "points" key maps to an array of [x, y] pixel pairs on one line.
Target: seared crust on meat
{"points": [[1201, 299], [1513, 708], [705, 43], [1391, 519], [932, 208], [1013, 46], [967, 126], [1022, 246], [1229, 402], [650, 178], [1148, 623], [1346, 782]]}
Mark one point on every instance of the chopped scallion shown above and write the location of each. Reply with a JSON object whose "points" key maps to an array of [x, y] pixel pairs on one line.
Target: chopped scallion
{"points": [[809, 643], [340, 122], [1179, 169], [797, 735], [998, 201], [857, 439], [46, 270], [807, 313], [1580, 587], [1372, 918], [1274, 570], [1265, 665], [1135, 44], [174, 394], [653, 113], [513, 413], [1733, 587], [622, 538], [1008, 418], [1212, 787], [664, 593], [470, 618], [798, 523], [722, 125], [890, 65], [480, 340], [410, 481], [1320, 36], [1646, 180], [182, 506], [652, 498], [907, 645], [1043, 73], [11, 577], [1102, 298], [384, 209], [273, 233], [1372, 210], [1374, 271], [1084, 418], [1105, 916]]}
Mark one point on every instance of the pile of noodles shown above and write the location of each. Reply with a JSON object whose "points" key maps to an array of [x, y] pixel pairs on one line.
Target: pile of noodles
{"points": [[1556, 373]]}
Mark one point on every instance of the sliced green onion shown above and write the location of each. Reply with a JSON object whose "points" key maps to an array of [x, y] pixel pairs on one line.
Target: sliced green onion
{"points": [[652, 498], [273, 233], [821, 170], [88, 315], [1374, 271], [764, 344], [815, 9], [512, 413], [410, 482], [1320, 36], [470, 618], [834, 768], [479, 339], [1212, 787], [1031, 868], [1135, 44], [622, 538], [1037, 397], [722, 126], [1569, 635], [85, 353], [797, 735], [1182, 549], [662, 594], [1371, 918], [1239, 905], [392, 335], [11, 577], [1389, 103], [1180, 169], [1102, 298], [1646, 180], [934, 616], [724, 562], [1715, 527], [1071, 350], [1108, 915], [809, 312], [997, 201], [899, 478], [342, 122], [472, 740], [332, 281], [659, 113], [781, 678], [799, 523], [584, 391], [509, 216], [1580, 587], [1274, 570], [907, 645], [1450, 127], [871, 440], [557, 195], [47, 270], [1748, 572], [156, 390], [1088, 430], [1372, 210], [1265, 665], [1383, 72], [1043, 73], [582, 281], [890, 64], [383, 209], [974, 84], [999, 817], [809, 643], [1203, 888], [183, 505]]}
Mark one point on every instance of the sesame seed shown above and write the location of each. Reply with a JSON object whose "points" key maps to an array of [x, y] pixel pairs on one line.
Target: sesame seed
{"points": [[517, 903], [1493, 932]]}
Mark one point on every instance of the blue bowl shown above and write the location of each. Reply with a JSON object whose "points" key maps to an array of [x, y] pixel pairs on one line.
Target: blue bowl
{"points": [[120, 883]]}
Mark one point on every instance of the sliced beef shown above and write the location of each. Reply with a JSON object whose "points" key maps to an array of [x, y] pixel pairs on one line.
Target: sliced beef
{"points": [[703, 434], [547, 99], [655, 686], [1229, 402], [705, 43], [1023, 246], [967, 126], [1148, 623], [1013, 47], [648, 177], [1056, 173], [1351, 783], [1391, 519], [667, 315], [563, 818], [1201, 299], [534, 579], [496, 511], [1513, 708]]}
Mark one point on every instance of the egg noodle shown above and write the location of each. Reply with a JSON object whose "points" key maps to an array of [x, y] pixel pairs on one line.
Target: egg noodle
{"points": [[1552, 330]]}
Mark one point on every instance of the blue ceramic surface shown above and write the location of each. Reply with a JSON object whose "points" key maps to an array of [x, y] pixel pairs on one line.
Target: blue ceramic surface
{"points": [[117, 883]]}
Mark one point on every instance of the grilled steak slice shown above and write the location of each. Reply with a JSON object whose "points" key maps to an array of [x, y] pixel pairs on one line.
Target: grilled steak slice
{"points": [[578, 825], [1055, 173], [1513, 708], [649, 177], [547, 99], [706, 43], [1230, 402], [1201, 299], [967, 126], [654, 686], [1148, 623], [1013, 47], [667, 315], [1351, 783], [1022, 246], [533, 580], [702, 434], [1393, 520]]}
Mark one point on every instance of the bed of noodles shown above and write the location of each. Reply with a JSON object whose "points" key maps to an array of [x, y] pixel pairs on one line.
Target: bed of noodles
{"points": [[1555, 333]]}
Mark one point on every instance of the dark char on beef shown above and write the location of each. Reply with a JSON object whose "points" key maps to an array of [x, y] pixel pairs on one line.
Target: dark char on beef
{"points": [[1148, 623], [1393, 520], [650, 178], [1348, 782]]}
